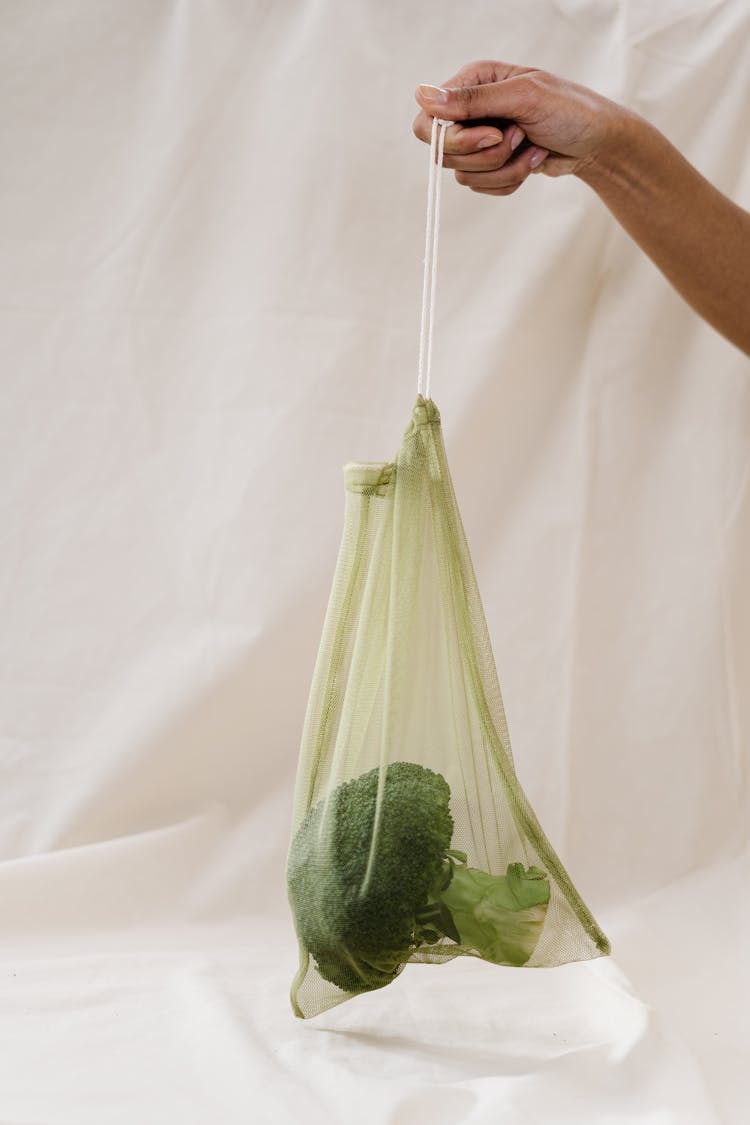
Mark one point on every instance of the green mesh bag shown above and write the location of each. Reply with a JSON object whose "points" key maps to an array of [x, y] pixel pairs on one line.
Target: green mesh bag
{"points": [[412, 839]]}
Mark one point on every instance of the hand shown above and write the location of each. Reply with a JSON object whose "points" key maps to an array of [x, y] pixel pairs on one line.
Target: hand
{"points": [[517, 120]]}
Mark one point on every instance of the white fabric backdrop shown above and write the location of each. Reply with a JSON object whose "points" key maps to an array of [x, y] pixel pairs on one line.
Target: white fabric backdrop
{"points": [[210, 268]]}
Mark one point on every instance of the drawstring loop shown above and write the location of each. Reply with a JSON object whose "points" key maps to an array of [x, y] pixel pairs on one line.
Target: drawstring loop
{"points": [[437, 140]]}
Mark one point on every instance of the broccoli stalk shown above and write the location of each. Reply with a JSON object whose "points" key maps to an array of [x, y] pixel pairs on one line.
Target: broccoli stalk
{"points": [[372, 879], [499, 916]]}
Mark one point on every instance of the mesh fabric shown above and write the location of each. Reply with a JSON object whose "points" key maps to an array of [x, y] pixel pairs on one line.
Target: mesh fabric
{"points": [[405, 673]]}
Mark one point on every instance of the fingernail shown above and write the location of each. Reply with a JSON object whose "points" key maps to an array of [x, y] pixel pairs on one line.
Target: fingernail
{"points": [[486, 142], [434, 93], [538, 157], [516, 137]]}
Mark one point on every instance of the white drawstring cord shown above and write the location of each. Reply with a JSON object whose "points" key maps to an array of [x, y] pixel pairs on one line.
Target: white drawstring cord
{"points": [[439, 125]]}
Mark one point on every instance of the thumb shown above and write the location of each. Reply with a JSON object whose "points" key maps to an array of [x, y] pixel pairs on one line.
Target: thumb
{"points": [[491, 99]]}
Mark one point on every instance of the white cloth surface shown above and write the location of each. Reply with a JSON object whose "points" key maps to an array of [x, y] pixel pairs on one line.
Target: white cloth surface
{"points": [[211, 229]]}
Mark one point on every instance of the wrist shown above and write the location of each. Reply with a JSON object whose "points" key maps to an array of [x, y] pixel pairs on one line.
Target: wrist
{"points": [[620, 157]]}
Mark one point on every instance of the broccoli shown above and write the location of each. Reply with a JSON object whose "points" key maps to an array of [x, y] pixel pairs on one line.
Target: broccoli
{"points": [[372, 879]]}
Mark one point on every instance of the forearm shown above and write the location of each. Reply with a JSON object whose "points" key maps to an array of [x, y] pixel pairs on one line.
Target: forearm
{"points": [[699, 239]]}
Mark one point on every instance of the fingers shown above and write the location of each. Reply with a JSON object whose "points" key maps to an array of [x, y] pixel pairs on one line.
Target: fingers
{"points": [[485, 147], [508, 97], [477, 156], [481, 71], [458, 140], [485, 158], [508, 178]]}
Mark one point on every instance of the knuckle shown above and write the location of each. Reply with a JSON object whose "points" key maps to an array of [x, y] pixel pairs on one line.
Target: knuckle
{"points": [[478, 64], [463, 143], [466, 95], [527, 89], [539, 78]]}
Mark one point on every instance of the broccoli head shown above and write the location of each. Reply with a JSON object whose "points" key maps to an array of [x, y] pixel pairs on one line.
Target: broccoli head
{"points": [[372, 878]]}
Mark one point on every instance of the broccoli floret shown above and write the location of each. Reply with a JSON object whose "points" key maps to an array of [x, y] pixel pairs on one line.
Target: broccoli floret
{"points": [[372, 878]]}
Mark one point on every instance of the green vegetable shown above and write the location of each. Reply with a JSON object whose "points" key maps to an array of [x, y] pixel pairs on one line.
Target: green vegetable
{"points": [[372, 878]]}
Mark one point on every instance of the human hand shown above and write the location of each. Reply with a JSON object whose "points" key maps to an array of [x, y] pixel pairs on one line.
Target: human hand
{"points": [[516, 120]]}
